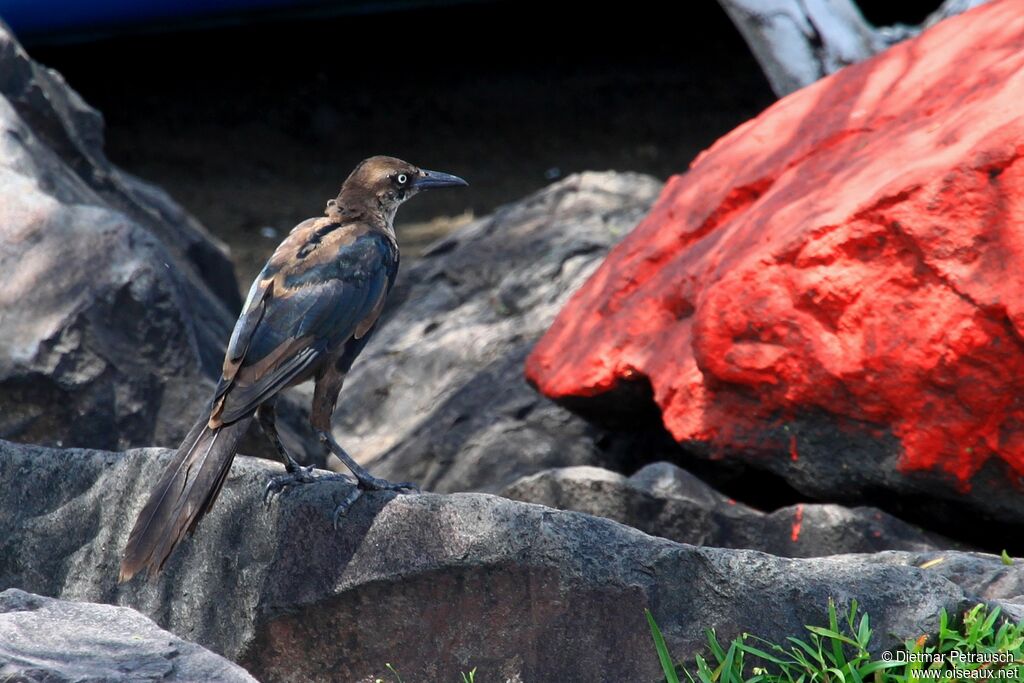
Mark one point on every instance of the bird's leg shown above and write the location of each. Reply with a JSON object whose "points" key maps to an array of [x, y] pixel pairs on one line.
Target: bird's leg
{"points": [[266, 415], [325, 398], [294, 472], [364, 480]]}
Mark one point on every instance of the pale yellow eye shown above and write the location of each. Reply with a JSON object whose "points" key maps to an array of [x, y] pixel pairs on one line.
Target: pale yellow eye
{"points": [[402, 178]]}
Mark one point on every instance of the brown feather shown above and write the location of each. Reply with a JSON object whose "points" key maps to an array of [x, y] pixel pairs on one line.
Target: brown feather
{"points": [[368, 322], [250, 374], [310, 244], [185, 492]]}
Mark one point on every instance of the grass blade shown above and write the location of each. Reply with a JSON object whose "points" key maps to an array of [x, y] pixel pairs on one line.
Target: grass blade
{"points": [[663, 655]]}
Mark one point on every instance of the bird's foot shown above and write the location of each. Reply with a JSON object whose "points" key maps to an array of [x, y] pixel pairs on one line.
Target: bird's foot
{"points": [[368, 483], [297, 476]]}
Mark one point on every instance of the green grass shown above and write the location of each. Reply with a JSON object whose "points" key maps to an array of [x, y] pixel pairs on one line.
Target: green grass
{"points": [[398, 679], [991, 649]]}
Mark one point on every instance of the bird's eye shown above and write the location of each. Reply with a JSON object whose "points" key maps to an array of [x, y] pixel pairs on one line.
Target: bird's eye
{"points": [[401, 178]]}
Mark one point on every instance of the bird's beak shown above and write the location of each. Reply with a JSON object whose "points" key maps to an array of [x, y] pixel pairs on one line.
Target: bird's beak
{"points": [[431, 179]]}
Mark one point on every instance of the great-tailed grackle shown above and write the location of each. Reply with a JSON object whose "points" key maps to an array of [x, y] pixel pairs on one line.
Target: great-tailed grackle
{"points": [[308, 315]]}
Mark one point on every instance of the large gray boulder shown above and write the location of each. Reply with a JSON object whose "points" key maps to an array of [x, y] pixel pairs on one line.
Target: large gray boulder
{"points": [[664, 500], [53, 137], [438, 397], [437, 584], [116, 303], [43, 639]]}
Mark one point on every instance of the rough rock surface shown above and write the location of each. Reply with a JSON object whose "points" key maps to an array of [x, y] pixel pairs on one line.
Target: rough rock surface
{"points": [[438, 397], [833, 291], [43, 639], [435, 584], [116, 303], [664, 500]]}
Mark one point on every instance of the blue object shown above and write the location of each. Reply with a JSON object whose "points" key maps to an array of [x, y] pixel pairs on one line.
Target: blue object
{"points": [[54, 20]]}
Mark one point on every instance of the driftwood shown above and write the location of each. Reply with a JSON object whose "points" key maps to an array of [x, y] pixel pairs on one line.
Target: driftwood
{"points": [[796, 42]]}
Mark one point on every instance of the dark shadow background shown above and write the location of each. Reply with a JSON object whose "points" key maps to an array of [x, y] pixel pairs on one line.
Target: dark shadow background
{"points": [[254, 126]]}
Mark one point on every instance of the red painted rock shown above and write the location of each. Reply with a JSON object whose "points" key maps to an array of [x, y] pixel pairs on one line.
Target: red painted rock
{"points": [[854, 256]]}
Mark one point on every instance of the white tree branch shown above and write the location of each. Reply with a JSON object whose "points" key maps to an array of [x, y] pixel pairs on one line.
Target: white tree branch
{"points": [[796, 42]]}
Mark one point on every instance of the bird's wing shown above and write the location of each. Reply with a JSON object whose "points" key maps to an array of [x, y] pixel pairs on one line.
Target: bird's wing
{"points": [[325, 284]]}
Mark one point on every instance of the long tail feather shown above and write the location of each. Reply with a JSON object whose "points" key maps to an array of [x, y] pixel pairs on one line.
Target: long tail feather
{"points": [[185, 492]]}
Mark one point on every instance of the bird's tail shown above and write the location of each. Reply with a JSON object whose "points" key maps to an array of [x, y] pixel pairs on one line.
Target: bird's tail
{"points": [[186, 491]]}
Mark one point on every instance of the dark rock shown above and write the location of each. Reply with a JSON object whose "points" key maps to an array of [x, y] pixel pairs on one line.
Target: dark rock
{"points": [[438, 396], [436, 584], [116, 303], [664, 500], [43, 639]]}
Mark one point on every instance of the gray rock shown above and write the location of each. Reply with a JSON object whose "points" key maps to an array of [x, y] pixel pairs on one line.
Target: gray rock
{"points": [[435, 584], [95, 345], [438, 396], [116, 303], [64, 155], [43, 639], [664, 500]]}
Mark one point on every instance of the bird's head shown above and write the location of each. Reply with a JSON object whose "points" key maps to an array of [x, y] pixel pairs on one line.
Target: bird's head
{"points": [[387, 182]]}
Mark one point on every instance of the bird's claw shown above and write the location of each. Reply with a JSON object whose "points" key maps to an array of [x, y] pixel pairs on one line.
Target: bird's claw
{"points": [[370, 484], [345, 505], [299, 475], [306, 475]]}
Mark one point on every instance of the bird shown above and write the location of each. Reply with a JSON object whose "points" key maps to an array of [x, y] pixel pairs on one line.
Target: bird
{"points": [[308, 315]]}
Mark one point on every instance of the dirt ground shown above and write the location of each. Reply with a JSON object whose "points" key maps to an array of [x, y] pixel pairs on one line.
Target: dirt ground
{"points": [[253, 128]]}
